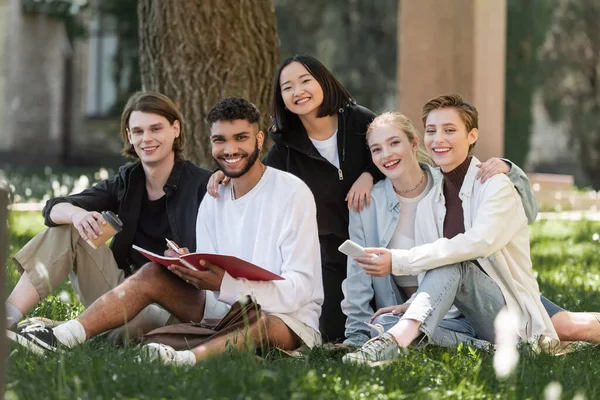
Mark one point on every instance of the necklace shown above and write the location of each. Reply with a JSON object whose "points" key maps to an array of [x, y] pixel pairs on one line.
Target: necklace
{"points": [[401, 192], [233, 196]]}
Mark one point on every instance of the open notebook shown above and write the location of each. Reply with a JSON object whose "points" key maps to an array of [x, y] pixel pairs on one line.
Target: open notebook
{"points": [[234, 266]]}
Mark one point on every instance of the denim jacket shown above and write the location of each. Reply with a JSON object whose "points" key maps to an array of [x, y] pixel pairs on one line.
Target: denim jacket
{"points": [[374, 227]]}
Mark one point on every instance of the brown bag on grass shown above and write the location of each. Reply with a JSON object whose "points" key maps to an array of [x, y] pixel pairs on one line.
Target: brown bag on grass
{"points": [[189, 335]]}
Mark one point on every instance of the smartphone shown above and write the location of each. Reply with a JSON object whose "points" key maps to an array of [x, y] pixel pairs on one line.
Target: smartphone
{"points": [[352, 249]]}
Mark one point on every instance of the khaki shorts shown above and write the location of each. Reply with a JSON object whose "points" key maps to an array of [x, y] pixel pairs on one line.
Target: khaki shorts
{"points": [[308, 335], [58, 253]]}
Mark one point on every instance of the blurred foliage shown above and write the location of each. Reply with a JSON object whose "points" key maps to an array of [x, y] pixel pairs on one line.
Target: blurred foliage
{"points": [[571, 78], [527, 23], [35, 184]]}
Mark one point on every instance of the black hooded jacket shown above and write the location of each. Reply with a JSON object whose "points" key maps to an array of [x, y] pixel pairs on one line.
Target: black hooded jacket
{"points": [[294, 152]]}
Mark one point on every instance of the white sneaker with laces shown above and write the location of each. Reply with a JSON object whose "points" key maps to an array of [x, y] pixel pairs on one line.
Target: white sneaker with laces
{"points": [[380, 348], [167, 355]]}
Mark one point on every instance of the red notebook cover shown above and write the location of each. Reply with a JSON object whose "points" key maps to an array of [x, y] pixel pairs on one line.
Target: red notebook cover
{"points": [[234, 266]]}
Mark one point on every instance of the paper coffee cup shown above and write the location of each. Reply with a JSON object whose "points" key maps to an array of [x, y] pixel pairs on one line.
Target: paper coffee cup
{"points": [[112, 227]]}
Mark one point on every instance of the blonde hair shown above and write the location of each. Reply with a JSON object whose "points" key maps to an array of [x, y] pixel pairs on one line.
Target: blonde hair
{"points": [[402, 123]]}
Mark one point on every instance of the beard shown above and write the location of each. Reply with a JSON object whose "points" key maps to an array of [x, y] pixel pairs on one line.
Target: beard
{"points": [[250, 161]]}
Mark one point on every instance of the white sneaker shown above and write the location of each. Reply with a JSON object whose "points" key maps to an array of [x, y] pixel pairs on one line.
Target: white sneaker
{"points": [[167, 355], [380, 348]]}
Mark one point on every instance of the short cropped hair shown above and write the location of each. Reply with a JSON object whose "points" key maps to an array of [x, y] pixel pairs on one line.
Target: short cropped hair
{"points": [[335, 96], [152, 103], [231, 109], [468, 113]]}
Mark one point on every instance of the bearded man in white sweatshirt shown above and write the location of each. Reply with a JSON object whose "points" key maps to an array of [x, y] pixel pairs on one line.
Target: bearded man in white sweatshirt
{"points": [[266, 217]]}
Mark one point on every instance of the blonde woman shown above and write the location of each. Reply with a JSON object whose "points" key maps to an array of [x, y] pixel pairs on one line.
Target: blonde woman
{"points": [[390, 222], [388, 137]]}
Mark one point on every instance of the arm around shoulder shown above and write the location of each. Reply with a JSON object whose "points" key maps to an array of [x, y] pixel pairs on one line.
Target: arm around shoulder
{"points": [[518, 178]]}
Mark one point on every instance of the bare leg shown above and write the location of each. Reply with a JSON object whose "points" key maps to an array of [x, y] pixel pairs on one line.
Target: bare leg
{"points": [[268, 331], [577, 326], [24, 296], [153, 283]]}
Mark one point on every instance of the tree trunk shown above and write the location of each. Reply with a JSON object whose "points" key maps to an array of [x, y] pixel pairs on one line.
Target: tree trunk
{"points": [[199, 51]]}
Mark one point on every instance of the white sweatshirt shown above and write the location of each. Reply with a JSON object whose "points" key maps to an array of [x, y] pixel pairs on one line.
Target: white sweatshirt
{"points": [[496, 235], [273, 226]]}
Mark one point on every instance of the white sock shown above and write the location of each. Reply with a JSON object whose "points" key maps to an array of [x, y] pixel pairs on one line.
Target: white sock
{"points": [[71, 333], [186, 357], [13, 315]]}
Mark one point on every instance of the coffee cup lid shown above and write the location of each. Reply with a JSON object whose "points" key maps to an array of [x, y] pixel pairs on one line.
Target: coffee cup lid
{"points": [[112, 219]]}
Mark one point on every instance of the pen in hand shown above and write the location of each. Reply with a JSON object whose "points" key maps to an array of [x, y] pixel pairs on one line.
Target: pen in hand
{"points": [[173, 246]]}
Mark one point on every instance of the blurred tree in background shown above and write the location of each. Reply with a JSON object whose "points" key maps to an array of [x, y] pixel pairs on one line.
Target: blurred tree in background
{"points": [[527, 23], [571, 77], [355, 39], [197, 65], [199, 51]]}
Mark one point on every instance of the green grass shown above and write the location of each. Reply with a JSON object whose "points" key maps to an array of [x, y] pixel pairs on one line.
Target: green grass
{"points": [[567, 262]]}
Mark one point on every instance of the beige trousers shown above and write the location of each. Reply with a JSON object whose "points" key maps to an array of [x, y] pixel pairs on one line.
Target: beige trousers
{"points": [[59, 253]]}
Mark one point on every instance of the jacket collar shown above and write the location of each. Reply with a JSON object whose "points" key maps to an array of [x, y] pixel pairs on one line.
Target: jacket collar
{"points": [[390, 193], [301, 142], [470, 178], [467, 187], [175, 176], [297, 139]]}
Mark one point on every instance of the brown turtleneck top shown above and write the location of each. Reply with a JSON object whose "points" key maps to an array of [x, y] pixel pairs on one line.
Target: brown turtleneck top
{"points": [[454, 223]]}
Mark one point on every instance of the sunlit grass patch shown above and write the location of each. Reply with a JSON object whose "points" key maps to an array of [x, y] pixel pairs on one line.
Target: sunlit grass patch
{"points": [[566, 259]]}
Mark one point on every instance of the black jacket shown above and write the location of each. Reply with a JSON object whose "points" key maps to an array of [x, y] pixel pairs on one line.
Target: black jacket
{"points": [[294, 152], [122, 194]]}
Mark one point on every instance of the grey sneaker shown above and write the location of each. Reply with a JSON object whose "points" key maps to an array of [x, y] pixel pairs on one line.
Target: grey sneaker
{"points": [[166, 355], [381, 348]]}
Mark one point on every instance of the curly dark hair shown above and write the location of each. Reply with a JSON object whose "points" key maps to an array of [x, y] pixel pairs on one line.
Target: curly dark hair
{"points": [[232, 108]]}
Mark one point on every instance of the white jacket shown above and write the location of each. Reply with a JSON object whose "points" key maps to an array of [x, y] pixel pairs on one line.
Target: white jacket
{"points": [[496, 235]]}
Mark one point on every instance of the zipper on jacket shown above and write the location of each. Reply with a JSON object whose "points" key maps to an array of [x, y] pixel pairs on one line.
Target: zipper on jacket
{"points": [[340, 174]]}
